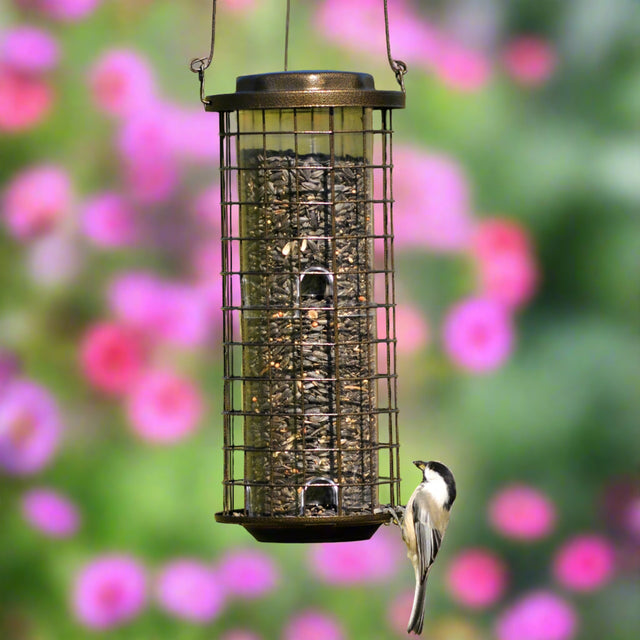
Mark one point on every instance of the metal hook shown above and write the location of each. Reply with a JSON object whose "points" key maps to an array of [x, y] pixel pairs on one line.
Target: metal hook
{"points": [[200, 65]]}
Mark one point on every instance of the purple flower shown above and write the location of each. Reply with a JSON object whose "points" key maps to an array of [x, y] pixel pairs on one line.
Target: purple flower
{"points": [[368, 561], [9, 367], [121, 82], [109, 221], [190, 590], [36, 200], [50, 512], [28, 49], [313, 625], [109, 592], [247, 573], [478, 335], [29, 427], [432, 208], [540, 615]]}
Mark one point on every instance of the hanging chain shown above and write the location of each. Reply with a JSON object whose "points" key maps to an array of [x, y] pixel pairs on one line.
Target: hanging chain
{"points": [[200, 65], [286, 37], [397, 66]]}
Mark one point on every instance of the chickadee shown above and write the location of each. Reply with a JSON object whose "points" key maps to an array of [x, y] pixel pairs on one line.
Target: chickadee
{"points": [[425, 521]]}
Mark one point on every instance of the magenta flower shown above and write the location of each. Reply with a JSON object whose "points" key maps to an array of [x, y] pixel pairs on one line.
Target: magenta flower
{"points": [[206, 207], [522, 512], [478, 335], [313, 625], [477, 578], [151, 181], [495, 237], [367, 561], [530, 60], [584, 563], [136, 298], [164, 407], [194, 133], [239, 6], [540, 615], [189, 590], [121, 82], [109, 592], [29, 427], [25, 100], [36, 200], [50, 512], [112, 357], [109, 221], [247, 573], [432, 208], [28, 49]]}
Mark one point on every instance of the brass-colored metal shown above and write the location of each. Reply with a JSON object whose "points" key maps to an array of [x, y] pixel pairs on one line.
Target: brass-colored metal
{"points": [[307, 529], [305, 89]]}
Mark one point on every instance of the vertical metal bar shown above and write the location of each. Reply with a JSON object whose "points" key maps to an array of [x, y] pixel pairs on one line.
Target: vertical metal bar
{"points": [[336, 333]]}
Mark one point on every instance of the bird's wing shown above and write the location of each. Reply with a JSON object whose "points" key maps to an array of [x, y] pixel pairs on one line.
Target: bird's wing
{"points": [[428, 538]]}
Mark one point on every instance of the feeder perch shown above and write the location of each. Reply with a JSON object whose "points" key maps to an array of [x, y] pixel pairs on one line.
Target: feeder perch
{"points": [[310, 415]]}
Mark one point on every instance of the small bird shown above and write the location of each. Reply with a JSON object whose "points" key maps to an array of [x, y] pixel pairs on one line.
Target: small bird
{"points": [[425, 521]]}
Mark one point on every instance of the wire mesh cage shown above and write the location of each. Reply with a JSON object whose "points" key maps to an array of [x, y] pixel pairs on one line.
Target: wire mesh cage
{"points": [[310, 415]]}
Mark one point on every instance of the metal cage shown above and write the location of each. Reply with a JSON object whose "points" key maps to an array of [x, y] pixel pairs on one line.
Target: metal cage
{"points": [[310, 415]]}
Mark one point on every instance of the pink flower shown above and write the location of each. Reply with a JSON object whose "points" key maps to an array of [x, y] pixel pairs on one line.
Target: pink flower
{"points": [[238, 6], [28, 49], [432, 206], [37, 200], [367, 561], [109, 592], [477, 578], [522, 512], [313, 625], [151, 181], [121, 82], [504, 260], [584, 563], [239, 634], [462, 68], [530, 60], [478, 335], [194, 133], [146, 136], [29, 427], [207, 209], [540, 615], [50, 512], [247, 573], [400, 611], [109, 221], [112, 357], [168, 311], [189, 589], [63, 10], [412, 329], [164, 407], [25, 100]]}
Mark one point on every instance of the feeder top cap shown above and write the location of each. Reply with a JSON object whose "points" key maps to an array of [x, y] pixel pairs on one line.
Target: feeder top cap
{"points": [[305, 89]]}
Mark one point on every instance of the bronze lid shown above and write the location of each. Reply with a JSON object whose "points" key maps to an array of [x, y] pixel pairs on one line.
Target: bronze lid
{"points": [[289, 89]]}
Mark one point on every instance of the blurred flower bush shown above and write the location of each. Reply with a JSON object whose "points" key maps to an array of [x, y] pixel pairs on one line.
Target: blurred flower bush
{"points": [[516, 241]]}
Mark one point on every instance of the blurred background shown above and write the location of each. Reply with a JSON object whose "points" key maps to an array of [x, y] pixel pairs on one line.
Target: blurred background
{"points": [[517, 252]]}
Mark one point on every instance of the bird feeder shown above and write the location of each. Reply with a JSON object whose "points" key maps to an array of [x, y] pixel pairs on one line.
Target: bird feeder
{"points": [[310, 415]]}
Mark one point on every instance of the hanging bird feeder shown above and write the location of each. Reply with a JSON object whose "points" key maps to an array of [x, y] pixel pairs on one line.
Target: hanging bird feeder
{"points": [[310, 415]]}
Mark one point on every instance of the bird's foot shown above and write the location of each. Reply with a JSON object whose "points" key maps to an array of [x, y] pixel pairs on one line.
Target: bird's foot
{"points": [[396, 513]]}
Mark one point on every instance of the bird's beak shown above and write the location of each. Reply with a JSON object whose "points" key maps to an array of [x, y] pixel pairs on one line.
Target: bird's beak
{"points": [[420, 464]]}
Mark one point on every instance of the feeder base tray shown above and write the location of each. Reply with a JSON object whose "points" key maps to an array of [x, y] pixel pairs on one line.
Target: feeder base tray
{"points": [[306, 528]]}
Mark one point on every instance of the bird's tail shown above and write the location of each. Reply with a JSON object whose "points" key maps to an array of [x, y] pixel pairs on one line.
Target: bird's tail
{"points": [[416, 619]]}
